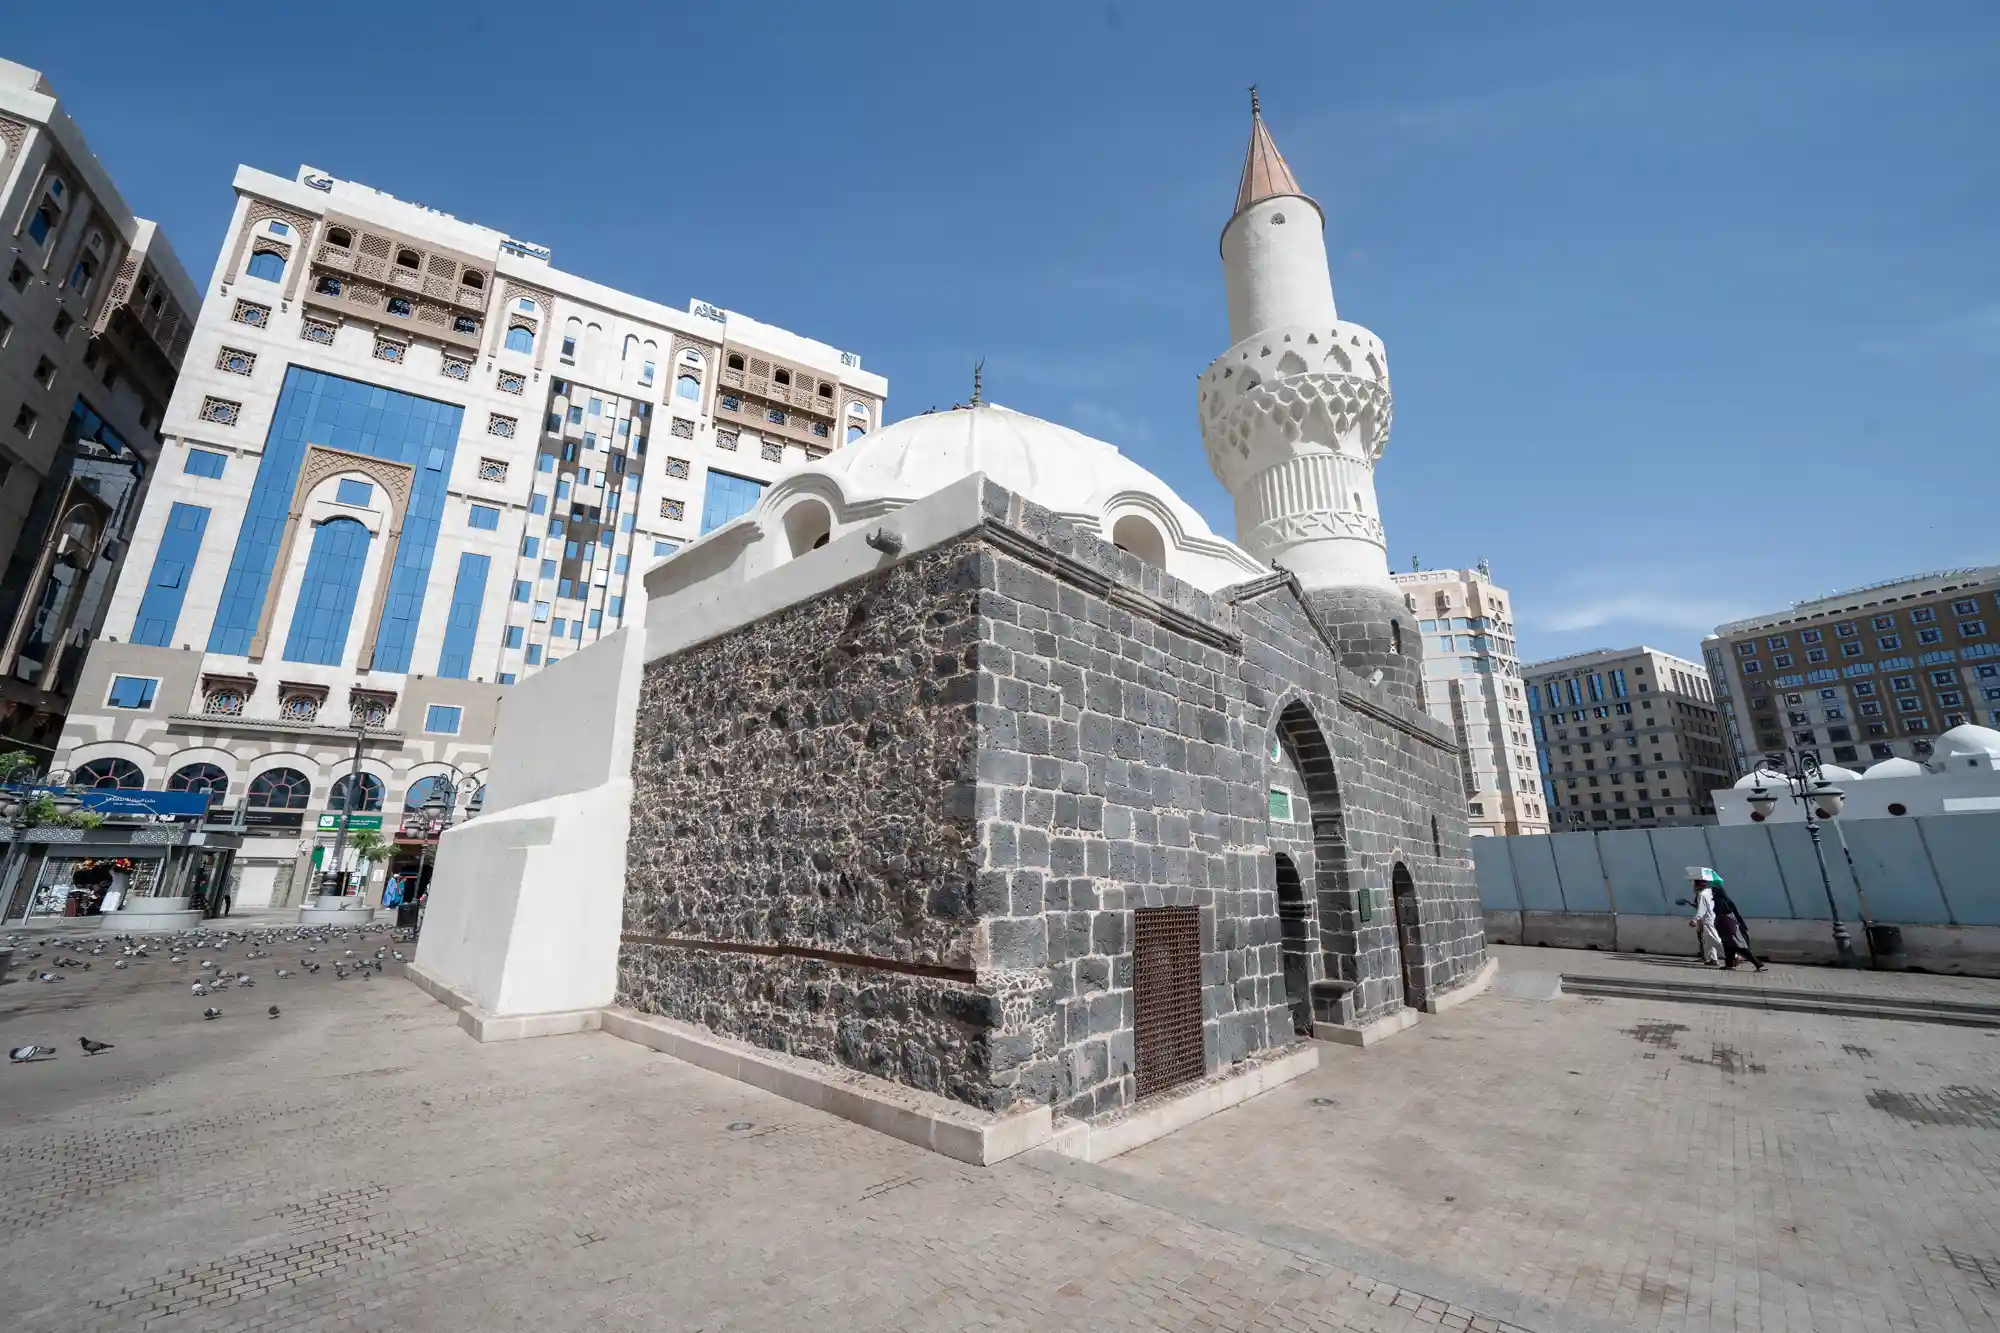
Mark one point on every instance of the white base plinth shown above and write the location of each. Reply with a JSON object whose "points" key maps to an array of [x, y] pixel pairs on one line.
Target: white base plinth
{"points": [[152, 916], [335, 910]]}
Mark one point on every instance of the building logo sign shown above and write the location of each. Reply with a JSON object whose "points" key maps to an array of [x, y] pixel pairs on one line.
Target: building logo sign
{"points": [[528, 250], [331, 823], [703, 310]]}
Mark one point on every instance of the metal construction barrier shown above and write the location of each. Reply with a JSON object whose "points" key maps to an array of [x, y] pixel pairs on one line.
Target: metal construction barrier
{"points": [[1936, 877]]}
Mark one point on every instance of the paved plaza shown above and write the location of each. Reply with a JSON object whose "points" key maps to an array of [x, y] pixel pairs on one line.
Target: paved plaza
{"points": [[358, 1162]]}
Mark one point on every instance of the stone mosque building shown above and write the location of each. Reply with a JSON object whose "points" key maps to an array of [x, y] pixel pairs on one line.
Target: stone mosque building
{"points": [[971, 787]]}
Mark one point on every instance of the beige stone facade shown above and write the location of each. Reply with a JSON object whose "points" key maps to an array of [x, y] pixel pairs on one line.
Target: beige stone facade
{"points": [[95, 318], [1862, 676], [412, 463], [1629, 737], [1472, 681]]}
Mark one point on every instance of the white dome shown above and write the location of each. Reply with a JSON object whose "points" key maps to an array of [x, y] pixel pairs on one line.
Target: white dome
{"points": [[1835, 773], [1085, 480], [1762, 777], [1966, 746], [1895, 767]]}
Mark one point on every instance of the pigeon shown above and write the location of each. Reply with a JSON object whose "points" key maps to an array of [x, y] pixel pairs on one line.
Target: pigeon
{"points": [[243, 978], [121, 965], [211, 1012], [199, 989], [282, 974], [21, 1055], [92, 1047], [48, 976], [274, 1011]]}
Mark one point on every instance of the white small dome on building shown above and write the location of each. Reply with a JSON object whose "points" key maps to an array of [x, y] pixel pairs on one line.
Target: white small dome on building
{"points": [[1085, 480], [1835, 773], [1762, 777], [1895, 767], [1968, 746]]}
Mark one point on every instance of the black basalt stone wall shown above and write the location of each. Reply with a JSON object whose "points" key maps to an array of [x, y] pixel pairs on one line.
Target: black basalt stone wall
{"points": [[804, 787], [904, 826], [1373, 630]]}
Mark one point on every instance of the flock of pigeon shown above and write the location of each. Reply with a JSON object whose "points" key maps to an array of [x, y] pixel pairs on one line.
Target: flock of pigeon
{"points": [[216, 975]]}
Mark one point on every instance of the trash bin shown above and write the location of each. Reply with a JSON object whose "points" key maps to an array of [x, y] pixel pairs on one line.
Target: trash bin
{"points": [[1886, 943], [406, 916]]}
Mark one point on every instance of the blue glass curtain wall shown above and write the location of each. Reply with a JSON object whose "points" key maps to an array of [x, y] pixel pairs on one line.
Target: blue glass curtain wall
{"points": [[327, 593], [318, 408]]}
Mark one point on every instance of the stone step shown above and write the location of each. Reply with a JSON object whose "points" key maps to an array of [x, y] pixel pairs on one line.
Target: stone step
{"points": [[1908, 1009]]}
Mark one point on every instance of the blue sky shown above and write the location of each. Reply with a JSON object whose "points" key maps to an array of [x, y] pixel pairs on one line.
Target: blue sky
{"points": [[1691, 311]]}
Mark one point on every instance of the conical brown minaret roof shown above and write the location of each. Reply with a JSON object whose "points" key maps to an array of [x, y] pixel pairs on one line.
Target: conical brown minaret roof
{"points": [[1264, 171]]}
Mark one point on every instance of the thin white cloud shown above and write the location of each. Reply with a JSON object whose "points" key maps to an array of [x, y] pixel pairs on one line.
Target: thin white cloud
{"points": [[1643, 607]]}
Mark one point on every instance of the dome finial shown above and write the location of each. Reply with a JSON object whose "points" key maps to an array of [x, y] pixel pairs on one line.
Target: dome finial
{"points": [[977, 367], [1255, 109]]}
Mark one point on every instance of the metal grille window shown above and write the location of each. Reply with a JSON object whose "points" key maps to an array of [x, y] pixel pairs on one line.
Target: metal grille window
{"points": [[1166, 997]]}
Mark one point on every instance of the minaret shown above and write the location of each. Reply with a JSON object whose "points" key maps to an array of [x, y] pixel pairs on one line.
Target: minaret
{"points": [[1294, 415]]}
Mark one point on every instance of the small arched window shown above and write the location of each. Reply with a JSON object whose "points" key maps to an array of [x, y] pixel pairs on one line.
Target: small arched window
{"points": [[409, 259], [267, 264], [82, 276], [473, 278], [327, 285], [201, 777], [341, 237], [687, 386], [41, 224], [855, 432], [348, 794], [400, 307], [280, 789], [1396, 637], [110, 774], [631, 346], [520, 340], [464, 324], [735, 361], [1135, 535], [781, 376], [826, 391]]}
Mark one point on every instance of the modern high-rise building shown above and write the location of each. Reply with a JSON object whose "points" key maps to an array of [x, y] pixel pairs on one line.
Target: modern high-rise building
{"points": [[1875, 673], [1472, 680], [411, 463], [95, 317], [1629, 738]]}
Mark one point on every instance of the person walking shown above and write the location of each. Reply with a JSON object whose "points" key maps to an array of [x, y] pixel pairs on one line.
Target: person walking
{"points": [[1735, 931], [1705, 881]]}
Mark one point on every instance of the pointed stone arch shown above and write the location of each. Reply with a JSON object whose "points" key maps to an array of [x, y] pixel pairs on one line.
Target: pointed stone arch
{"points": [[1336, 909]]}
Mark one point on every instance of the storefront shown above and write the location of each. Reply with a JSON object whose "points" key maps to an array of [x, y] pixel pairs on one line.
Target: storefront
{"points": [[86, 872]]}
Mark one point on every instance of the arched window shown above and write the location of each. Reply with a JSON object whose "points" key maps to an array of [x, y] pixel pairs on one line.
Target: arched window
{"points": [[423, 789], [465, 324], [855, 432], [687, 386], [332, 580], [327, 285], [781, 376], [1134, 534], [520, 340], [42, 224], [473, 278], [350, 794], [400, 307], [409, 259], [201, 777], [735, 361], [340, 236], [631, 346], [808, 526], [280, 789], [266, 264], [81, 277], [110, 775], [825, 390]]}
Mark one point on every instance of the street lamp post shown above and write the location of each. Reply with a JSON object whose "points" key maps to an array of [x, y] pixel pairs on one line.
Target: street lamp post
{"points": [[1799, 770], [440, 810], [27, 798], [335, 878]]}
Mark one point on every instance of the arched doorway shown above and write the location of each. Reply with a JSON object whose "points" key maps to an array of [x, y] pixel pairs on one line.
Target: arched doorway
{"points": [[1409, 935], [1295, 930], [1332, 897]]}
